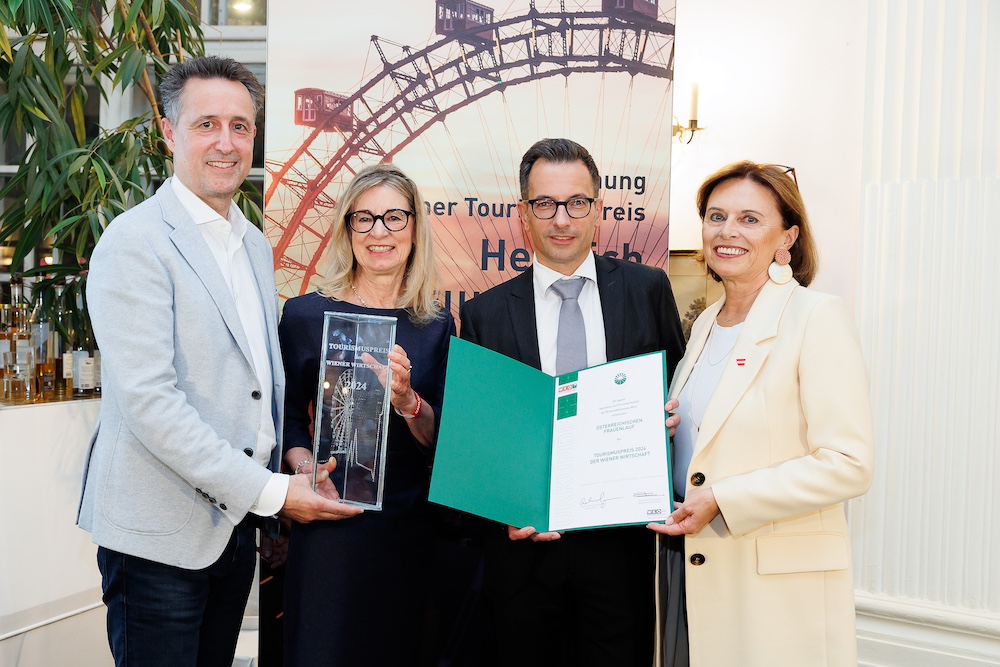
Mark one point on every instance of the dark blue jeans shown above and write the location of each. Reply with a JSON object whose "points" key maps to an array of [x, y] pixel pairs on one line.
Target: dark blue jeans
{"points": [[165, 616]]}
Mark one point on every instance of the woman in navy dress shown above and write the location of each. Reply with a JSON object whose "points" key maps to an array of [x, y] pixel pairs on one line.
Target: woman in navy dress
{"points": [[356, 590]]}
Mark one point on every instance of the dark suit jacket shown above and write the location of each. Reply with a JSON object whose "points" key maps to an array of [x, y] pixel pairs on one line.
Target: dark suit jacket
{"points": [[640, 316]]}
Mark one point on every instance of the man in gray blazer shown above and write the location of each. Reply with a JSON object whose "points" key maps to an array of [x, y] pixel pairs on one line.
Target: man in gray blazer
{"points": [[184, 307]]}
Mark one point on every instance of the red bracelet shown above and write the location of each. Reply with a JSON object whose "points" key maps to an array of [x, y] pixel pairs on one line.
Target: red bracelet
{"points": [[416, 410]]}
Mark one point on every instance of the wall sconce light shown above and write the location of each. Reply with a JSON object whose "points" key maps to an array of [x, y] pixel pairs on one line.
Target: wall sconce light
{"points": [[679, 130]]}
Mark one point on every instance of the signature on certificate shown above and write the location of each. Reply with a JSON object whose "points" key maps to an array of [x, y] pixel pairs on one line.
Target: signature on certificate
{"points": [[646, 494], [600, 501]]}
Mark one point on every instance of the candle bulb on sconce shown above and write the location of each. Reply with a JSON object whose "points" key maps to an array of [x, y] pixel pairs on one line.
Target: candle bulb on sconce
{"points": [[679, 130]]}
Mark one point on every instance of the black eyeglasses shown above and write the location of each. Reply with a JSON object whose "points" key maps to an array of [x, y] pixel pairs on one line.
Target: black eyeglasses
{"points": [[394, 219], [576, 207], [785, 169]]}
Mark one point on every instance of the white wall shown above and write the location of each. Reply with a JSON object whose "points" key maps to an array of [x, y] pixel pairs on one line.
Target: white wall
{"points": [[780, 81], [929, 531], [50, 589]]}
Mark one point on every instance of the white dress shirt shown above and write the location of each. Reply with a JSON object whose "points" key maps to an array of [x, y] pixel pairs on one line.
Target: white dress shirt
{"points": [[224, 237], [548, 303]]}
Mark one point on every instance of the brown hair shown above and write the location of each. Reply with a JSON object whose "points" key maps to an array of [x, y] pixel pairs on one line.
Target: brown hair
{"points": [[775, 178]]}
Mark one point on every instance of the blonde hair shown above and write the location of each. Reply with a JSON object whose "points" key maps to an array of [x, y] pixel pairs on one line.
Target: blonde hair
{"points": [[339, 266]]}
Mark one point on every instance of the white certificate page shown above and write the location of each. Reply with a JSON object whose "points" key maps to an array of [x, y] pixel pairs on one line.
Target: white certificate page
{"points": [[609, 451]]}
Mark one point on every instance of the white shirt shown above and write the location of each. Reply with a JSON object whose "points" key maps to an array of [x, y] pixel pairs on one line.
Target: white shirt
{"points": [[696, 394], [548, 303], [224, 237]]}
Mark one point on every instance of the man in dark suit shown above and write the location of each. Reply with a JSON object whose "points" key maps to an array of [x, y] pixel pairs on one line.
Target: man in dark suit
{"points": [[585, 597]]}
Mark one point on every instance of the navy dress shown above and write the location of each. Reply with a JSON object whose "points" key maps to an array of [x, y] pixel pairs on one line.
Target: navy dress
{"points": [[356, 590]]}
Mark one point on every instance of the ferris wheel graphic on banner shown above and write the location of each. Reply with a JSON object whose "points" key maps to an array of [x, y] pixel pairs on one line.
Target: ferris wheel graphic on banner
{"points": [[476, 55]]}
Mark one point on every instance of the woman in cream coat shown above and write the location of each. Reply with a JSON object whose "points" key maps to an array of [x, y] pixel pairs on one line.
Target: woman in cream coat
{"points": [[775, 435]]}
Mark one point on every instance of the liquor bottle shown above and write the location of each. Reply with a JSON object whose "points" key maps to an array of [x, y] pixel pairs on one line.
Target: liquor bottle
{"points": [[20, 311], [97, 369], [64, 378], [6, 346], [6, 315], [22, 345], [67, 373], [83, 369], [54, 350], [46, 359], [45, 381]]}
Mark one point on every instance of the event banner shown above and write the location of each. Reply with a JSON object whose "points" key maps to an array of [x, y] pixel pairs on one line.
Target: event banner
{"points": [[581, 450], [454, 92]]}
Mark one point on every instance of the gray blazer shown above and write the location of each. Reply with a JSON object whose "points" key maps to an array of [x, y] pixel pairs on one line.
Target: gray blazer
{"points": [[171, 468]]}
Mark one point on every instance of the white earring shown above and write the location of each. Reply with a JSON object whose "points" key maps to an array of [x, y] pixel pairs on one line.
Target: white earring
{"points": [[779, 271]]}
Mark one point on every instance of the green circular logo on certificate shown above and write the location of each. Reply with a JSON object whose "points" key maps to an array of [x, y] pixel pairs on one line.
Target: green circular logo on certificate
{"points": [[620, 378]]}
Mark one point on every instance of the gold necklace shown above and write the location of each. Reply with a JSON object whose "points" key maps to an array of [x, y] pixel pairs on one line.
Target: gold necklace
{"points": [[360, 298], [708, 348], [696, 374], [729, 320]]}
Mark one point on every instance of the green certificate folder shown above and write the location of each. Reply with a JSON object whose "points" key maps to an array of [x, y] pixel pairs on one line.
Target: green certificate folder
{"points": [[524, 448]]}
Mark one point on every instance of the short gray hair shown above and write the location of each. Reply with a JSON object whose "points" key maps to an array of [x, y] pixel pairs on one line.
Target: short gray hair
{"points": [[208, 67]]}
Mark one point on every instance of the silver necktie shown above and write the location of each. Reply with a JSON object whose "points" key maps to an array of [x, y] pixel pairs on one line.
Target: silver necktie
{"points": [[571, 342]]}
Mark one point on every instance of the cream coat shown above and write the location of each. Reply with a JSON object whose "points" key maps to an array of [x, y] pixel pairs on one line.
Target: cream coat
{"points": [[787, 438]]}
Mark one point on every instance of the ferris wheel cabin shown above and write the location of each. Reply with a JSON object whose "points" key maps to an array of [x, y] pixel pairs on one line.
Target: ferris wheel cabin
{"points": [[315, 107], [460, 15], [645, 8]]}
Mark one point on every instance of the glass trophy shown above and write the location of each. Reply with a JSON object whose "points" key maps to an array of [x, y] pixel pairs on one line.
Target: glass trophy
{"points": [[353, 420]]}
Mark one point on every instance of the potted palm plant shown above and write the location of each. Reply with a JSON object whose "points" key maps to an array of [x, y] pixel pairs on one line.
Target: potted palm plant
{"points": [[72, 182]]}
